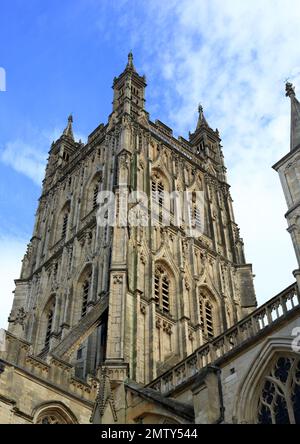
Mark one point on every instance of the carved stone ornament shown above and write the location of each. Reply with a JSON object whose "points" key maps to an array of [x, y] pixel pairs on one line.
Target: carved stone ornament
{"points": [[123, 159], [19, 318], [167, 327], [143, 309], [187, 284], [191, 336], [118, 279], [105, 395]]}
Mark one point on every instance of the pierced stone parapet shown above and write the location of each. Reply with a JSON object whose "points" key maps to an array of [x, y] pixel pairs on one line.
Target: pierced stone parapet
{"points": [[247, 329]]}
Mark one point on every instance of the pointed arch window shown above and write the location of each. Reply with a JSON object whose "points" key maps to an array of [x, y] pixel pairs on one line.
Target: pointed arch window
{"points": [[162, 289], [195, 215], [56, 414], [95, 195], [93, 191], [206, 318], [200, 148], [49, 325], [157, 190], [65, 225], [85, 296], [279, 401], [196, 218]]}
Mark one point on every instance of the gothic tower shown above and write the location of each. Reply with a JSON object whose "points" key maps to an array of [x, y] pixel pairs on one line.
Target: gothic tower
{"points": [[135, 298]]}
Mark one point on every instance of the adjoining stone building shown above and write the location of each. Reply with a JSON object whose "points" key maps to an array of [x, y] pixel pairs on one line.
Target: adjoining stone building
{"points": [[131, 323]]}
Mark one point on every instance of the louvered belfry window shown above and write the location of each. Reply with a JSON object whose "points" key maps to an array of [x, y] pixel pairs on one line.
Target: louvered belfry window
{"points": [[162, 290], [85, 296], [65, 225], [206, 318], [50, 316], [195, 217], [95, 195], [158, 189]]}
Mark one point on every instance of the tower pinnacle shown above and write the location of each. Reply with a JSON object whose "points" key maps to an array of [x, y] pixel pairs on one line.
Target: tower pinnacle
{"points": [[201, 118], [289, 90], [68, 131], [295, 115], [130, 64]]}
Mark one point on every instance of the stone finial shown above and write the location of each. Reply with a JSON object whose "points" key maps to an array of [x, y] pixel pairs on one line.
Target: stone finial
{"points": [[130, 64], [295, 115], [289, 90], [68, 131], [201, 118]]}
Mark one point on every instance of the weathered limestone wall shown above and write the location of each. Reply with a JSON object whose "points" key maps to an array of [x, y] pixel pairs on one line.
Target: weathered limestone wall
{"points": [[29, 386]]}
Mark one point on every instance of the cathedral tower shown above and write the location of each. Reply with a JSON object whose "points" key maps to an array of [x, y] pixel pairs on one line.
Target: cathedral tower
{"points": [[135, 298]]}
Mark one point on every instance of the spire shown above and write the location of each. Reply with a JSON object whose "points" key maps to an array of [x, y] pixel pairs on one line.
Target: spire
{"points": [[295, 115], [201, 118], [68, 131], [130, 64]]}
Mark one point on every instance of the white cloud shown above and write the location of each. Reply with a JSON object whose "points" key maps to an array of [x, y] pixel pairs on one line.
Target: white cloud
{"points": [[25, 159], [30, 158], [11, 252]]}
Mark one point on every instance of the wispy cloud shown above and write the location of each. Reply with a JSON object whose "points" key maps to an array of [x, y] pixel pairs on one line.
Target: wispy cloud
{"points": [[29, 158], [25, 159]]}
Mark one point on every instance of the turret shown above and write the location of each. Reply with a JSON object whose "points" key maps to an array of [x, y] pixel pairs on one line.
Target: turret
{"points": [[129, 91]]}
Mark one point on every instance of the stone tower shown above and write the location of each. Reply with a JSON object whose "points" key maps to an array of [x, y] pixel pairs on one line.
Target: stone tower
{"points": [[288, 169], [96, 291]]}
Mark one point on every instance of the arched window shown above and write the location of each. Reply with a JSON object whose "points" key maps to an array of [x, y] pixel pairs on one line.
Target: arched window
{"points": [[62, 223], [206, 317], [82, 294], [54, 413], [95, 195], [49, 326], [279, 401], [91, 190], [157, 189], [65, 225], [50, 419], [162, 289], [195, 215], [85, 295]]}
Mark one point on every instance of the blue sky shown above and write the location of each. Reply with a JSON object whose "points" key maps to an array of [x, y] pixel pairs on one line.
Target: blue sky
{"points": [[232, 56]]}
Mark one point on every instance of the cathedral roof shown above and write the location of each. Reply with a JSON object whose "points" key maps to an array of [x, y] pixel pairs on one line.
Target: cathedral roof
{"points": [[184, 410]]}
